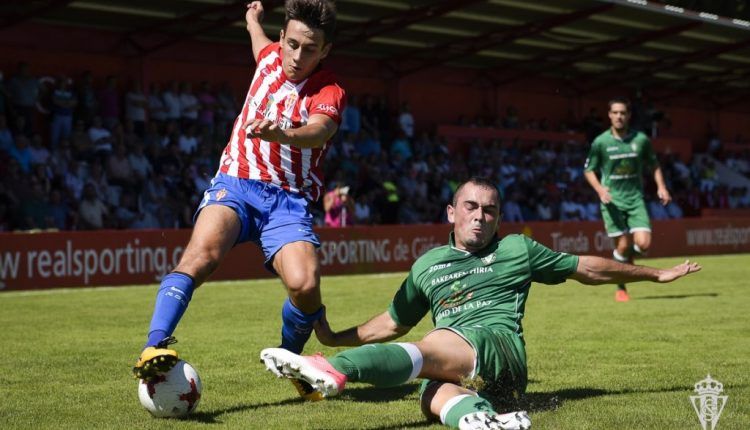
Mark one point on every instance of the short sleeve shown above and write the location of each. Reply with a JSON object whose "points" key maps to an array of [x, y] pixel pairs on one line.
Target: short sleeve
{"points": [[409, 305], [593, 161], [328, 101], [267, 50], [548, 266]]}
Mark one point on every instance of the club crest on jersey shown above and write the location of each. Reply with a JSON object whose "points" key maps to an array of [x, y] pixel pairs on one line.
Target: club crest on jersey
{"points": [[221, 194], [488, 259], [289, 103]]}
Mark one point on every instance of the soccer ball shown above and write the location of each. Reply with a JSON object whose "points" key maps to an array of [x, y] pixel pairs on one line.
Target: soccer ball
{"points": [[172, 394]]}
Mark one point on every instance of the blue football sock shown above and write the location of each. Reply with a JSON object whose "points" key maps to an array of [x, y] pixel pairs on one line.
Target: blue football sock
{"points": [[296, 326], [173, 297]]}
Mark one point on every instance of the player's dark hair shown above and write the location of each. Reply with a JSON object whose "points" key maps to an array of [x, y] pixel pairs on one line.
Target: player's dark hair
{"points": [[476, 180], [316, 14], [621, 100]]}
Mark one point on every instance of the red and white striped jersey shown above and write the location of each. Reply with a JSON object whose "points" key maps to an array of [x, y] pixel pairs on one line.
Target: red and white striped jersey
{"points": [[289, 104]]}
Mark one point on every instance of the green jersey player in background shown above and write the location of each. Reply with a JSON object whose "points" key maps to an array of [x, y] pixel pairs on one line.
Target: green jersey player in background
{"points": [[619, 156], [476, 289]]}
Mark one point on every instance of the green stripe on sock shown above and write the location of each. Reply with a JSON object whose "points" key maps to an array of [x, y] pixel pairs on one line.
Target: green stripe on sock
{"points": [[382, 365]]}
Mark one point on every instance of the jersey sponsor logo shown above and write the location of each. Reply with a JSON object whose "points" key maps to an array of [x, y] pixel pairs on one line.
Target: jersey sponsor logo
{"points": [[460, 274], [625, 155], [327, 108], [449, 277], [457, 297], [465, 306], [438, 267], [627, 176], [284, 123], [612, 148], [268, 112]]}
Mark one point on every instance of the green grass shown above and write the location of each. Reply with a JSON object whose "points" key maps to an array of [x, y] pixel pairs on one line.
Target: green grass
{"points": [[593, 363]]}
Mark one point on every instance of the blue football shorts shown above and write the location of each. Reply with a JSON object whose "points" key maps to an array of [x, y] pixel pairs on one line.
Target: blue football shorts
{"points": [[270, 216]]}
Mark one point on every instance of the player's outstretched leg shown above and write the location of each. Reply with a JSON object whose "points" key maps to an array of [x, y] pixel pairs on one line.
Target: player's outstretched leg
{"points": [[156, 359], [458, 407], [172, 299], [322, 380], [382, 365]]}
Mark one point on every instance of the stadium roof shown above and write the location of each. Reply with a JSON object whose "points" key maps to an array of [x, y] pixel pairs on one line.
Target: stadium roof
{"points": [[593, 44]]}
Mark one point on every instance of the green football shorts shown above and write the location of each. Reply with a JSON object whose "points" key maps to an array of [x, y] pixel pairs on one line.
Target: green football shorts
{"points": [[500, 367], [619, 220]]}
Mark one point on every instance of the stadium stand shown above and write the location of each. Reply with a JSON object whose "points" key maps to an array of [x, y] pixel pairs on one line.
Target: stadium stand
{"points": [[529, 86], [131, 167]]}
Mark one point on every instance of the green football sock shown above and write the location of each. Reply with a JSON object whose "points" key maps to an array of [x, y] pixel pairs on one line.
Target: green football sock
{"points": [[460, 406], [382, 365]]}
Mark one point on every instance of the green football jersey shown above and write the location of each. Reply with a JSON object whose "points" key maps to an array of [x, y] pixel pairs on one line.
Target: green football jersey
{"points": [[620, 164], [488, 288]]}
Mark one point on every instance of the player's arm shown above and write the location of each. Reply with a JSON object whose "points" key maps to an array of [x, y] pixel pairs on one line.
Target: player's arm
{"points": [[651, 161], [589, 172], [380, 328], [600, 189], [406, 309], [661, 187], [318, 130], [253, 18], [594, 270]]}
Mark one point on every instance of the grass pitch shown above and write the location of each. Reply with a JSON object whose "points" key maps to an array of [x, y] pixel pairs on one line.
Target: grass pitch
{"points": [[593, 363]]}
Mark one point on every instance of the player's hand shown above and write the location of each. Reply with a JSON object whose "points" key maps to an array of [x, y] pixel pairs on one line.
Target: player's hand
{"points": [[323, 331], [254, 12], [669, 275], [604, 195], [664, 196], [264, 129]]}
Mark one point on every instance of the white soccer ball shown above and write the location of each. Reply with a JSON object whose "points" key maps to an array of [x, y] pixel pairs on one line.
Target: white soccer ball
{"points": [[172, 394]]}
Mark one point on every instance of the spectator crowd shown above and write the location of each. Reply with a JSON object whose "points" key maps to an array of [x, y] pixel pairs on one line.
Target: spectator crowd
{"points": [[92, 153]]}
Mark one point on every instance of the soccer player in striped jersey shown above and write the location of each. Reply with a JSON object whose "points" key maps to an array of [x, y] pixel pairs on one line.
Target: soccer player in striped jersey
{"points": [[620, 155], [476, 289], [268, 175]]}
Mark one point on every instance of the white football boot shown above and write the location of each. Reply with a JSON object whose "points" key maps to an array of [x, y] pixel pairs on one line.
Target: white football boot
{"points": [[312, 375], [483, 421]]}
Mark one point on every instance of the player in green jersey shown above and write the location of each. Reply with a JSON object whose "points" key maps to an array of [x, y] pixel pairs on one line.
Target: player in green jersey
{"points": [[476, 289], [620, 156]]}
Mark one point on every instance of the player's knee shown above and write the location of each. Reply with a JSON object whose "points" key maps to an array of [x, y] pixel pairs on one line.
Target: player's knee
{"points": [[302, 284], [642, 247], [300, 280], [199, 263]]}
